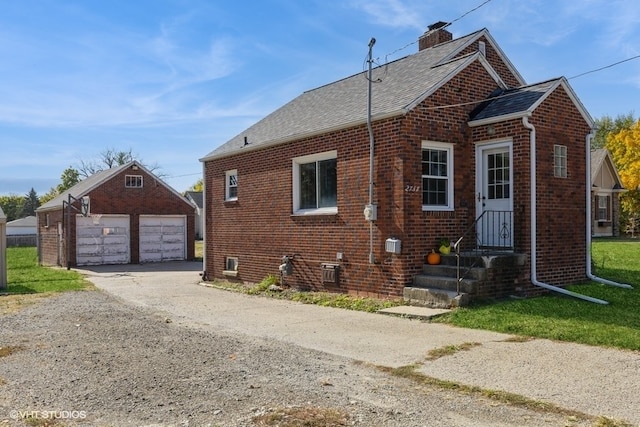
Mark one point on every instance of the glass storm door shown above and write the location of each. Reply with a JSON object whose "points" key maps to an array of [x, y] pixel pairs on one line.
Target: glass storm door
{"points": [[494, 196]]}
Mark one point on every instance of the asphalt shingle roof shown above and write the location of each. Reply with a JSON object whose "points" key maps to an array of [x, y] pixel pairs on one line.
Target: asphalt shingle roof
{"points": [[513, 101], [196, 197], [82, 188], [344, 102]]}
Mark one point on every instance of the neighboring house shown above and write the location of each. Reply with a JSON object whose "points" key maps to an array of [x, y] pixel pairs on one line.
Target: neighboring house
{"points": [[195, 197], [26, 226], [457, 136], [606, 187], [22, 232], [121, 215]]}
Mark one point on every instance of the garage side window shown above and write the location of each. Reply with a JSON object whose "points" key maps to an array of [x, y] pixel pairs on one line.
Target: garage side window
{"points": [[133, 181], [231, 185], [315, 184]]}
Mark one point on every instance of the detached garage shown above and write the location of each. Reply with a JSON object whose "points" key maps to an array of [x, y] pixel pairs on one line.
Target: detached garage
{"points": [[118, 216]]}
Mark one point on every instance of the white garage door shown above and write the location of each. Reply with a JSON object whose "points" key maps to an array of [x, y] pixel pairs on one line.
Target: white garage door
{"points": [[102, 239], [162, 238]]}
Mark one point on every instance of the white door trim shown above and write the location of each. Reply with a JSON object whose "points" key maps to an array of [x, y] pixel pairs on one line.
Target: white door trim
{"points": [[481, 196]]}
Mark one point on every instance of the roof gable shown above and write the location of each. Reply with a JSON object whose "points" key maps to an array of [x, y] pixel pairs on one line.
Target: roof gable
{"points": [[399, 86], [465, 42], [519, 102], [90, 183], [600, 161]]}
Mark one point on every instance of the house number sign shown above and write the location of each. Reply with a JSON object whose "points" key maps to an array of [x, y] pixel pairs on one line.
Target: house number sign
{"points": [[412, 188]]}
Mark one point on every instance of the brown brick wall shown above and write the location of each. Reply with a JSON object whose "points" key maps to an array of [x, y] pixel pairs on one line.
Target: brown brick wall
{"points": [[495, 60], [561, 201], [259, 229], [49, 240]]}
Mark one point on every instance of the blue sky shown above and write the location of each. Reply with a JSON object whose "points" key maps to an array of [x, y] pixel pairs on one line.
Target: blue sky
{"points": [[173, 79]]}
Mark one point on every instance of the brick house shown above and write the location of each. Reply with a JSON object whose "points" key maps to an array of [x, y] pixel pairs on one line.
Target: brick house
{"points": [[461, 147], [121, 215], [606, 187]]}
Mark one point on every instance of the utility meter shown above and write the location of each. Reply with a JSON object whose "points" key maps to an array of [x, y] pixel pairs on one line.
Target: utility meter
{"points": [[371, 212]]}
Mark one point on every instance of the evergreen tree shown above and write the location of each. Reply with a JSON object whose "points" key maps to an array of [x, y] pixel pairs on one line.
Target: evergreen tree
{"points": [[30, 204]]}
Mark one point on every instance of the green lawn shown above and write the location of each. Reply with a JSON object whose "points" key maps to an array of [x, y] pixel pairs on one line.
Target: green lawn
{"points": [[25, 276], [568, 319]]}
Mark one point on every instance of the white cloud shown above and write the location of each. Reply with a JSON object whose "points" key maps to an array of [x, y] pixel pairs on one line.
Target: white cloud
{"points": [[392, 13]]}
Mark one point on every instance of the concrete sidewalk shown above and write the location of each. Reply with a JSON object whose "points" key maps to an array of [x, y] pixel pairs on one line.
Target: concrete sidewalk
{"points": [[592, 380]]}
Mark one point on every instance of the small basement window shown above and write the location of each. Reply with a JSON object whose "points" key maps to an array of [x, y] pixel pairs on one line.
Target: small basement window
{"points": [[133, 181], [230, 266]]}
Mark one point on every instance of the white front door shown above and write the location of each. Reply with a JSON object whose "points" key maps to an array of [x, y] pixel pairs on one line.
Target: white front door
{"points": [[494, 190]]}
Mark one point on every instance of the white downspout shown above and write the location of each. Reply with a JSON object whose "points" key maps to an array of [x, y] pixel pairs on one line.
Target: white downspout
{"points": [[533, 221], [204, 273], [589, 274]]}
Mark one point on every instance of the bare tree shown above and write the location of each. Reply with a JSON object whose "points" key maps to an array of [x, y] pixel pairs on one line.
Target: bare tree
{"points": [[110, 158]]}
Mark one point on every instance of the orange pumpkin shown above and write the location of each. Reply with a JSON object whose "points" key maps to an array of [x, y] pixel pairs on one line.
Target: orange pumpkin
{"points": [[433, 258]]}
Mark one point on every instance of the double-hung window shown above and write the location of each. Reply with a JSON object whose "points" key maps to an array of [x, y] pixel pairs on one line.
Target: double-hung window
{"points": [[604, 211], [560, 161], [231, 185], [437, 176], [315, 184]]}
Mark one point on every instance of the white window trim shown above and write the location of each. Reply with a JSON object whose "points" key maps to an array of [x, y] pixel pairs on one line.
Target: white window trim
{"points": [[609, 207], [564, 170], [297, 161], [129, 178], [448, 147], [227, 187]]}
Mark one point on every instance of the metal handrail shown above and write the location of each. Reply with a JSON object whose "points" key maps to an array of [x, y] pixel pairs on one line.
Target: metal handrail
{"points": [[474, 227], [456, 248]]}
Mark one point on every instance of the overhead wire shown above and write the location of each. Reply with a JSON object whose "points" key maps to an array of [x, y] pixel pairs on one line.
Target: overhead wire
{"points": [[386, 62], [604, 68]]}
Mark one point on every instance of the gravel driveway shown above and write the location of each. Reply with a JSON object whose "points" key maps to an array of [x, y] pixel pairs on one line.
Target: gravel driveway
{"points": [[94, 359]]}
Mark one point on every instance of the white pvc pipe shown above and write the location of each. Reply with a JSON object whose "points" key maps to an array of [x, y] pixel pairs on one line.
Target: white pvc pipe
{"points": [[589, 258], [533, 220]]}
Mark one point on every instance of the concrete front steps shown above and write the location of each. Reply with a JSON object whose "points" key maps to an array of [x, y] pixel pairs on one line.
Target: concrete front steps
{"points": [[436, 286]]}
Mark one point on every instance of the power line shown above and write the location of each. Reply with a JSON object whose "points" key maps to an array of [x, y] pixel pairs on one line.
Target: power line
{"points": [[189, 174], [604, 68], [453, 21], [462, 104], [466, 13]]}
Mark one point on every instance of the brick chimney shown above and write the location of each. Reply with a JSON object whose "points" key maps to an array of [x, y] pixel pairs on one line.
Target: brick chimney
{"points": [[435, 35]]}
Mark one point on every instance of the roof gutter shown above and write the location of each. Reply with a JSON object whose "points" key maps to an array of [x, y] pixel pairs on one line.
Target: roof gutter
{"points": [[534, 221], [588, 231]]}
